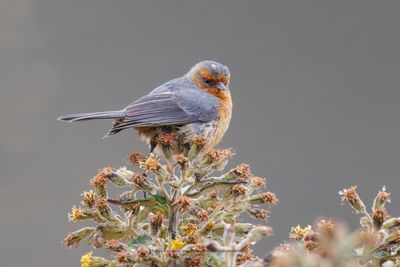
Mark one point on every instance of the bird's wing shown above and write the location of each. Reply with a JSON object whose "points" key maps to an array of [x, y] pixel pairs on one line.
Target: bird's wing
{"points": [[173, 103]]}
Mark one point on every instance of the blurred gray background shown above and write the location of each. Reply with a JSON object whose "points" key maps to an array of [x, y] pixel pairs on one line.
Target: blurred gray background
{"points": [[316, 86]]}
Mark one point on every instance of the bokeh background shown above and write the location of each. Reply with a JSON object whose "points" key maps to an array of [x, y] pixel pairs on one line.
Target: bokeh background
{"points": [[316, 86]]}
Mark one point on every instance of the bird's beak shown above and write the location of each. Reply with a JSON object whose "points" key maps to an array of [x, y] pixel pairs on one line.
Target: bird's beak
{"points": [[222, 86]]}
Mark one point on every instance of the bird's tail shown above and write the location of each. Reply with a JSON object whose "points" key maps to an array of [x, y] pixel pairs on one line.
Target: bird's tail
{"points": [[116, 114]]}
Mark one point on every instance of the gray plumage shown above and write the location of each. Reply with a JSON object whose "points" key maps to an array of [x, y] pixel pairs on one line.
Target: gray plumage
{"points": [[176, 102], [114, 114]]}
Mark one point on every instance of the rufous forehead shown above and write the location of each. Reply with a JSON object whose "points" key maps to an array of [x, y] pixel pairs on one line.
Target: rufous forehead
{"points": [[213, 74]]}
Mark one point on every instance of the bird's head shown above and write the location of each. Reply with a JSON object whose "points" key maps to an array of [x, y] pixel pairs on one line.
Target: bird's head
{"points": [[211, 77]]}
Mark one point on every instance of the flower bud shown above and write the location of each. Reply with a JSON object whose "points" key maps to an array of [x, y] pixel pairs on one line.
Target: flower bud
{"points": [[88, 198], [88, 260], [198, 144], [379, 216], [381, 198], [391, 223], [350, 195], [156, 223], [136, 158], [73, 239]]}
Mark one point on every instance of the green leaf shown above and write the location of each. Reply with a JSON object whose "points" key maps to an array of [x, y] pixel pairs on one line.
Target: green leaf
{"points": [[140, 241], [381, 254], [160, 198], [230, 216], [216, 259]]}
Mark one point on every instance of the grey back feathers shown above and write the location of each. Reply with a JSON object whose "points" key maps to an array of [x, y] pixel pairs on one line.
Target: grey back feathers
{"points": [[176, 102], [115, 114]]}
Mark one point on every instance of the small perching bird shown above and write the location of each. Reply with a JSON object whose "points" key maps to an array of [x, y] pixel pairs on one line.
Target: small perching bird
{"points": [[198, 104]]}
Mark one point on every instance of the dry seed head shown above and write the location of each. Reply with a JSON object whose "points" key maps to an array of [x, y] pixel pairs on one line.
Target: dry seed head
{"points": [[257, 181], [114, 245], [156, 223], [239, 189], [183, 203], [243, 171], [379, 216], [310, 245], [381, 198], [383, 195], [199, 247], [142, 252], [136, 158], [166, 139], [194, 262], [218, 154], [157, 219], [258, 213], [174, 254], [269, 198], [199, 140], [102, 204], [98, 181], [137, 178], [214, 194], [349, 194], [88, 198], [71, 241], [101, 178], [261, 214], [202, 215], [193, 239], [181, 159], [326, 227], [246, 254], [122, 257]]}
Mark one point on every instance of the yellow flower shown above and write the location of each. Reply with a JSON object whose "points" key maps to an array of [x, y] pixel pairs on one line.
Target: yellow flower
{"points": [[299, 233], [151, 164], [210, 225], [189, 229], [86, 260], [177, 244], [77, 214]]}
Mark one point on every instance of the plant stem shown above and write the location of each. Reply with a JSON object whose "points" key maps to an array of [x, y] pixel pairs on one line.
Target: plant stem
{"points": [[172, 223]]}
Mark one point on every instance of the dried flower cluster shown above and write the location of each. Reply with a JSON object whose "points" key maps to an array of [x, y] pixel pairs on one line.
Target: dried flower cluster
{"points": [[328, 243], [173, 211]]}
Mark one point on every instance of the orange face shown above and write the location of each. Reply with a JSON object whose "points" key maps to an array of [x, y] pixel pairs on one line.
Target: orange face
{"points": [[211, 77]]}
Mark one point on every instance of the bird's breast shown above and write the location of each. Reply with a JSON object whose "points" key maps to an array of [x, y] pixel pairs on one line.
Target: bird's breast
{"points": [[223, 119], [213, 130]]}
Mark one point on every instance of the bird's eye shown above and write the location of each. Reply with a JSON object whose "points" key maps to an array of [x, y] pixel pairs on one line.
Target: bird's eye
{"points": [[208, 82]]}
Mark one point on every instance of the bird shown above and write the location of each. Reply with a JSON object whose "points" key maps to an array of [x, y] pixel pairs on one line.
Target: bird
{"points": [[197, 104]]}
